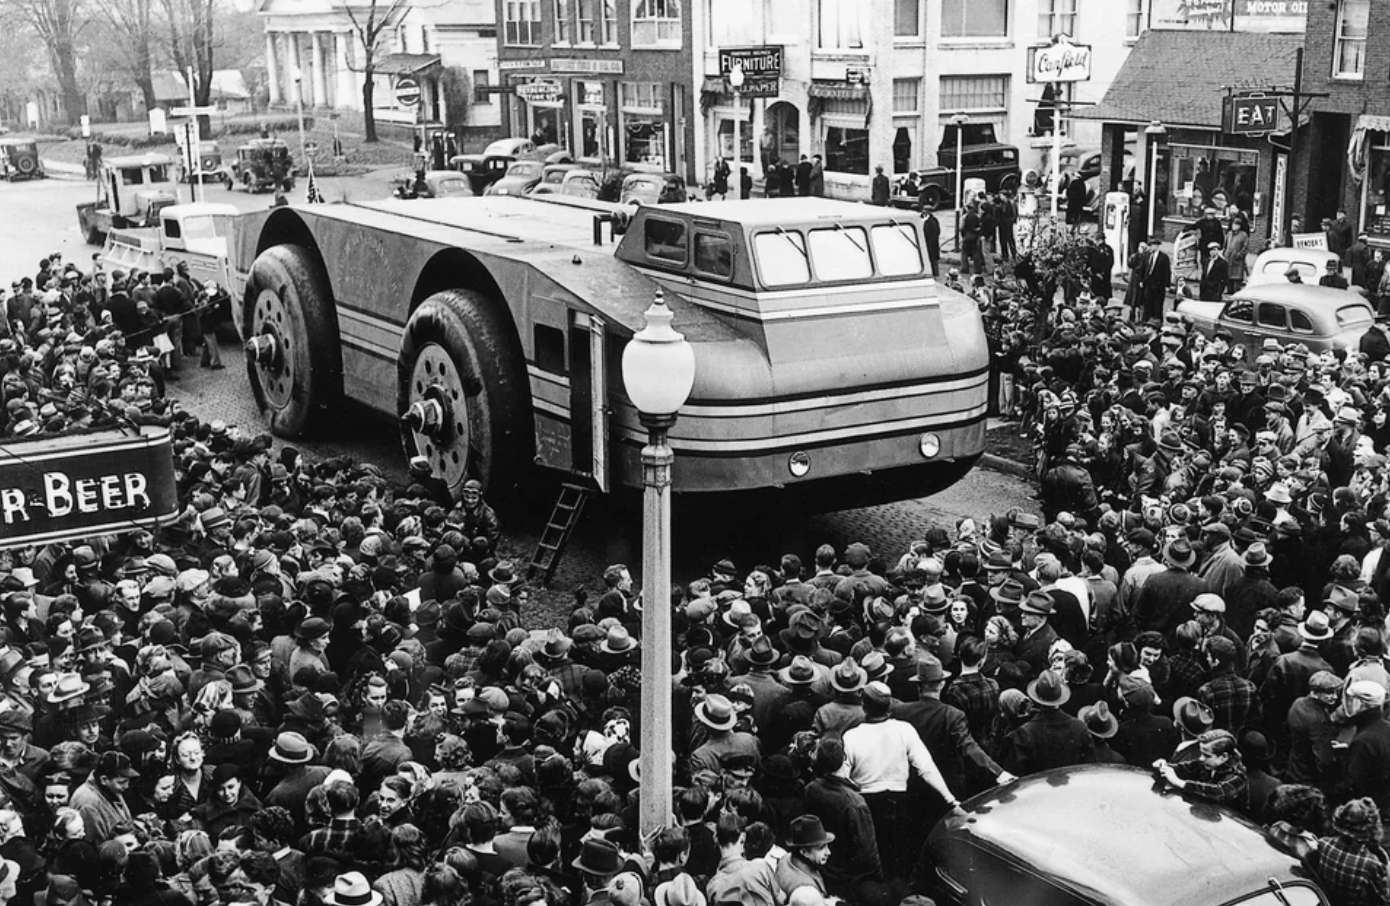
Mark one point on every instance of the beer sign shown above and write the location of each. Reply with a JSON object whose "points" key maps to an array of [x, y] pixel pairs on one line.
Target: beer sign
{"points": [[80, 486]]}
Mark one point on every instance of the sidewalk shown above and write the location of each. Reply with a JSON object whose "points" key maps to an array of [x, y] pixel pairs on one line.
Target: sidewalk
{"points": [[61, 170]]}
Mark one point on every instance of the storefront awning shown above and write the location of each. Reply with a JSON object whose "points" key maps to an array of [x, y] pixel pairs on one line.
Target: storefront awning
{"points": [[406, 64], [837, 91], [1175, 77], [1356, 148]]}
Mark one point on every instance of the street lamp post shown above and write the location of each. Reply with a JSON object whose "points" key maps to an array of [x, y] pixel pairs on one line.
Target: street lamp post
{"points": [[658, 373], [299, 108], [960, 119], [736, 83], [1155, 133]]}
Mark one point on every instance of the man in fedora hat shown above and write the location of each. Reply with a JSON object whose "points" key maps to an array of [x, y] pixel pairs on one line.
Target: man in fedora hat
{"points": [[16, 752], [1290, 674], [352, 889], [808, 846], [880, 754], [943, 728], [1051, 738], [295, 756], [1163, 601], [597, 863], [847, 709], [716, 714], [769, 696], [1038, 634]]}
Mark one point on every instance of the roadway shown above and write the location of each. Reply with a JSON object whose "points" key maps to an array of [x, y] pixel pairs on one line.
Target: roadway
{"points": [[38, 218]]}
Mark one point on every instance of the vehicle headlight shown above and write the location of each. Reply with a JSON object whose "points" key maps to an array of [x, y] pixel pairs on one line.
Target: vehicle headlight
{"points": [[929, 444], [799, 464]]}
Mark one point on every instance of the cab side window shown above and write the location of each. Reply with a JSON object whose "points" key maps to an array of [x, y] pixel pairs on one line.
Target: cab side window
{"points": [[1272, 315], [665, 240], [1240, 310], [714, 254]]}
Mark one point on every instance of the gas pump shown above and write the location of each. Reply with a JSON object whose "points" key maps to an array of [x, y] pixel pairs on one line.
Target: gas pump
{"points": [[1115, 223]]}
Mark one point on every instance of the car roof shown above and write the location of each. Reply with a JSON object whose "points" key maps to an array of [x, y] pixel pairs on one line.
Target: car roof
{"points": [[758, 212], [1296, 254], [1103, 828], [140, 160], [18, 141], [1301, 293]]}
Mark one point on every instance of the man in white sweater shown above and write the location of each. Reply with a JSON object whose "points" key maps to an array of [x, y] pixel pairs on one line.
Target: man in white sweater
{"points": [[880, 755]]}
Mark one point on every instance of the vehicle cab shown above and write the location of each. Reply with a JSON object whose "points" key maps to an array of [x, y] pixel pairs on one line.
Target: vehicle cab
{"points": [[136, 187]]}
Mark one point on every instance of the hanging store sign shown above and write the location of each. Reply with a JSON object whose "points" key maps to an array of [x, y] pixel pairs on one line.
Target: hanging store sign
{"points": [[761, 66], [1254, 115], [1060, 61], [582, 67], [507, 65], [541, 91], [81, 486]]}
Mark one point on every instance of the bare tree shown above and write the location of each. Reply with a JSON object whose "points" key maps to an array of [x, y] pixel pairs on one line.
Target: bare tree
{"points": [[131, 34], [190, 40], [59, 25], [372, 26]]}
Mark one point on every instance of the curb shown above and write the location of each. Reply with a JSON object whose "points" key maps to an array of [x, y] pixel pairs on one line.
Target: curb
{"points": [[60, 170], [1007, 466]]}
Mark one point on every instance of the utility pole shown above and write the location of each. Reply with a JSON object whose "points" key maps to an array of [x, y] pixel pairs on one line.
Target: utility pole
{"points": [[1293, 141]]}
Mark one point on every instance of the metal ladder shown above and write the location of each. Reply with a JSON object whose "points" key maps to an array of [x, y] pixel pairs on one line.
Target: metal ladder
{"points": [[569, 505]]}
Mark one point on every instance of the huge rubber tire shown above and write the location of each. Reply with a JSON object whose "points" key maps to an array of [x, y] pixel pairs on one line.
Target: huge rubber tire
{"points": [[288, 299], [460, 350]]}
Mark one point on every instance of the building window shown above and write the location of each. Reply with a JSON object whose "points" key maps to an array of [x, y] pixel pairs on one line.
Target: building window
{"points": [[586, 21], [1134, 19], [523, 22], [905, 95], [907, 18], [975, 18], [840, 25], [846, 135], [1353, 17], [609, 32], [1056, 17], [964, 94], [656, 22], [730, 25], [563, 30], [481, 80]]}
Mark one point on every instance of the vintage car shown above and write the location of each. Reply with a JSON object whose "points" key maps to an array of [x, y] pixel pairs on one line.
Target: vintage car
{"points": [[1273, 264], [263, 163], [582, 184], [654, 188], [1319, 317], [436, 184], [521, 178], [482, 170], [553, 179], [19, 159], [997, 165], [207, 168], [1105, 835]]}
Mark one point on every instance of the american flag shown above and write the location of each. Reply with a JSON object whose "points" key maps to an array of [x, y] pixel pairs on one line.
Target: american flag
{"points": [[313, 195]]}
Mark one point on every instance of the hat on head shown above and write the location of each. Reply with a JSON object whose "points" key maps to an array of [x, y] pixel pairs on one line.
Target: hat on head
{"points": [[800, 672], [716, 712], [1098, 720], [848, 676], [504, 573], [1049, 690], [1257, 555], [1369, 692], [1038, 603], [69, 686], [555, 646], [243, 680], [679, 891], [352, 889], [1315, 627], [598, 856], [618, 641], [1358, 819], [878, 693], [1009, 592], [935, 600], [929, 669], [1208, 603], [312, 628], [807, 831], [115, 764], [15, 721], [1179, 552], [762, 654], [291, 748], [1193, 716], [225, 724]]}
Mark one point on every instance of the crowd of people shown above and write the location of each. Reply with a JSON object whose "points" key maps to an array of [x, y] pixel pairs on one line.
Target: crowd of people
{"points": [[315, 686]]}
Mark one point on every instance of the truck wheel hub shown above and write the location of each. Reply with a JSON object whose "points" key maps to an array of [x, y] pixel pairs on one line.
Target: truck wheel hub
{"points": [[268, 349], [437, 413]]}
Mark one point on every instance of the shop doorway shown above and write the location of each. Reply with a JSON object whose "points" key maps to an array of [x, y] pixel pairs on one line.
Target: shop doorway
{"points": [[781, 134]]}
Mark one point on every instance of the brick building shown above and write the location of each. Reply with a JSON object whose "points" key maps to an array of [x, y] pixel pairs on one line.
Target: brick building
{"points": [[1346, 165], [608, 79]]}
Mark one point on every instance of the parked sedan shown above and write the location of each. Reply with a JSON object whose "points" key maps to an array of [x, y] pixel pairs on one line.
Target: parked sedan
{"points": [[654, 188], [521, 178], [1103, 835], [1273, 264], [1319, 317], [552, 179]]}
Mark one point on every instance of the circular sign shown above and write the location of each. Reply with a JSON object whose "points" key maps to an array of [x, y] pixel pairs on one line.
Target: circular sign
{"points": [[407, 92], [311, 147]]}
